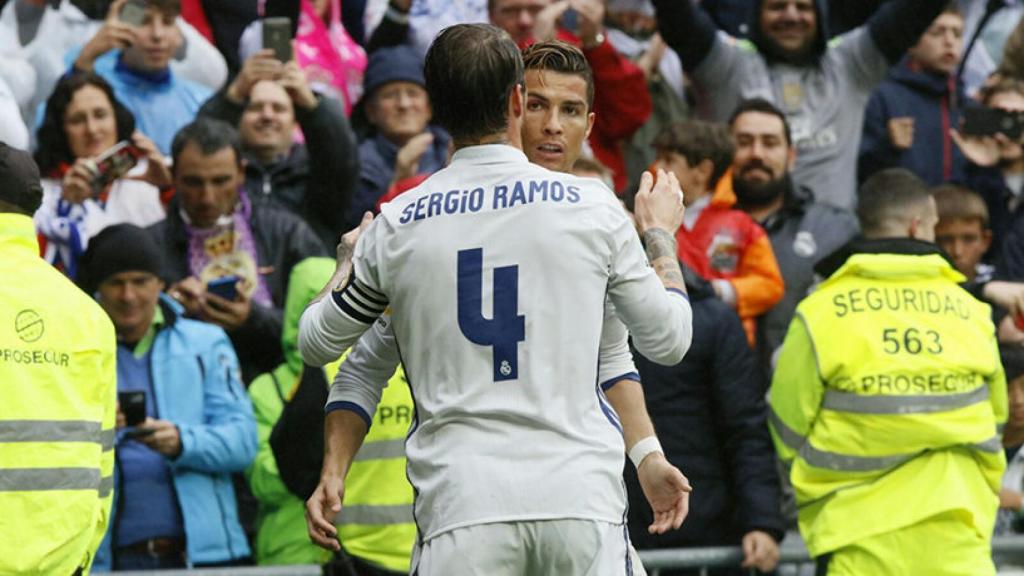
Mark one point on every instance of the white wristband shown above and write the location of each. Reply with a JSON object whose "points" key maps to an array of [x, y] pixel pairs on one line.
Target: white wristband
{"points": [[643, 448]]}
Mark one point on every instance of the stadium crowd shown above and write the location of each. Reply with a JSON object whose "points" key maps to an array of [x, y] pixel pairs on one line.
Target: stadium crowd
{"points": [[197, 172]]}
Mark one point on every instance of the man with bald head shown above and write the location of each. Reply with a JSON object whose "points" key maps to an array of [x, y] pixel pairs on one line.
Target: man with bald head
{"points": [[267, 101]]}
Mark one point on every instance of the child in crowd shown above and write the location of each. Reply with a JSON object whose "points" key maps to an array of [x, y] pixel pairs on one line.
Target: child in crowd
{"points": [[908, 118], [719, 242], [963, 231]]}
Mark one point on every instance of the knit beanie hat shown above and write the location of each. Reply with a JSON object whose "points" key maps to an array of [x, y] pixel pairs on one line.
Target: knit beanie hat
{"points": [[395, 64], [116, 249]]}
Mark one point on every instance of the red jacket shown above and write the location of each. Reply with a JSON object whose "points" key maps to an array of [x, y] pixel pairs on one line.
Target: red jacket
{"points": [[622, 103], [727, 244]]}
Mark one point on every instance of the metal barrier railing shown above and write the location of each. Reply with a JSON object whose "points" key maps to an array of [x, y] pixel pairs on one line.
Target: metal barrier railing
{"points": [[1005, 549]]}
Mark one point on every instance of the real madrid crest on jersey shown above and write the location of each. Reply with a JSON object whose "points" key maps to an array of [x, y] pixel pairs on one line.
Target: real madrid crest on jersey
{"points": [[804, 244]]}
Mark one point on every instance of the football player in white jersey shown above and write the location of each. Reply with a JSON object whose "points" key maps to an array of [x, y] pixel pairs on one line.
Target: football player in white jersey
{"points": [[511, 442]]}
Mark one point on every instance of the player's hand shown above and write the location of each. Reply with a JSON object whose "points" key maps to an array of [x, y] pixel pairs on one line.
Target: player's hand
{"points": [[347, 246], [76, 186], [666, 490], [262, 65], [760, 551], [901, 132], [321, 509], [407, 162], [659, 204]]}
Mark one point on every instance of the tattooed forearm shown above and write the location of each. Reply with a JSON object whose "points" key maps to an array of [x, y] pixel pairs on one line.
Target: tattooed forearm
{"points": [[661, 252]]}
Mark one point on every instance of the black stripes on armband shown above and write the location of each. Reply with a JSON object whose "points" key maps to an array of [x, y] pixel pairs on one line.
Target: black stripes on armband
{"points": [[359, 302]]}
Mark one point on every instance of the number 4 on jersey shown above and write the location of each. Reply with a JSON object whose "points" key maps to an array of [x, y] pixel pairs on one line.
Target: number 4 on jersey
{"points": [[507, 328]]}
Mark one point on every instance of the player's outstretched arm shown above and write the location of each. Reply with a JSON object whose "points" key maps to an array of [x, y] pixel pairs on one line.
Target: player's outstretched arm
{"points": [[343, 435], [664, 486]]}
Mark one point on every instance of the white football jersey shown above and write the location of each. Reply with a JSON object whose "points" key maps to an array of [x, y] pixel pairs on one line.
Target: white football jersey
{"points": [[496, 272]]}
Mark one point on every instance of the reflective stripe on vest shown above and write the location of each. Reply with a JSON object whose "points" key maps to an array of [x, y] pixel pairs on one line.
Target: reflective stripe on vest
{"points": [[381, 450], [369, 514], [54, 431], [913, 404], [789, 437], [42, 479], [846, 463]]}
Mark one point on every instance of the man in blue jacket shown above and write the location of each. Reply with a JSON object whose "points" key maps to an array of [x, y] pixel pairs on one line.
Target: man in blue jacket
{"points": [[174, 505]]}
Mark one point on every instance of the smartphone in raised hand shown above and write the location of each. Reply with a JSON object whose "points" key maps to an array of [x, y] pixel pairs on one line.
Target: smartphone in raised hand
{"points": [[133, 13], [277, 36]]}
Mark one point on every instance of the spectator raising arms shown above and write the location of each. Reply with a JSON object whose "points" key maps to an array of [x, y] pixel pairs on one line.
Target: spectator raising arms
{"points": [[315, 179], [821, 86], [83, 119]]}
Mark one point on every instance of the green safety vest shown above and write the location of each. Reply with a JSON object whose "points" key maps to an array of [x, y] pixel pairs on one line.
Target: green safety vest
{"points": [[888, 400], [58, 394]]}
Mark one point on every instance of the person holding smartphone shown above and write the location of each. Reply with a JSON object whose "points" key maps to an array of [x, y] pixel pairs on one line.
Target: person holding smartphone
{"points": [[86, 140], [184, 423]]}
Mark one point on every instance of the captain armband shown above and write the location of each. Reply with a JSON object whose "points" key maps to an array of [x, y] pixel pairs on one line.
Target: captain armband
{"points": [[359, 302]]}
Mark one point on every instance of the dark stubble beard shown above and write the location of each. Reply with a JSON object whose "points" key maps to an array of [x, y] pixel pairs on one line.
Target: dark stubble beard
{"points": [[753, 195]]}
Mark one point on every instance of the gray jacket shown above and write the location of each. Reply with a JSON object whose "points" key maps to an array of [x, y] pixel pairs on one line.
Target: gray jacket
{"points": [[802, 232], [823, 97]]}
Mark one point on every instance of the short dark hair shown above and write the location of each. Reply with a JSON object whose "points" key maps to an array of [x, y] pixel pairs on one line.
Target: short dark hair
{"points": [[52, 142], [955, 202], [563, 58], [887, 197], [764, 107], [471, 69], [697, 141], [20, 192], [209, 135]]}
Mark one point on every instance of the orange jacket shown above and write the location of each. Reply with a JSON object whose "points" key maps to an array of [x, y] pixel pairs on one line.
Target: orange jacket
{"points": [[727, 244]]}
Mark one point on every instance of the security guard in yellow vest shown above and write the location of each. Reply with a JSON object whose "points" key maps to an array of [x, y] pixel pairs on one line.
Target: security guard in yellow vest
{"points": [[888, 398], [377, 529], [57, 397]]}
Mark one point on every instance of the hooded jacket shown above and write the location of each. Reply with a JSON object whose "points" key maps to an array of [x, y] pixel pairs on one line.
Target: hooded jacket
{"points": [[934, 102], [726, 244], [802, 232], [823, 95], [711, 416]]}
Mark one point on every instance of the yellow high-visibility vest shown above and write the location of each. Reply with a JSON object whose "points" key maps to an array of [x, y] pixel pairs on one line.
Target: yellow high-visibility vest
{"points": [[888, 401], [376, 521], [59, 392]]}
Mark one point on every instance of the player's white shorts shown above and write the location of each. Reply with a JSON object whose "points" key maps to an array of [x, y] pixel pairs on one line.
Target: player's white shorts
{"points": [[535, 548]]}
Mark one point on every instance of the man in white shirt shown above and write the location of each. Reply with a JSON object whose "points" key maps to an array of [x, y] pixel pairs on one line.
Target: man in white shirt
{"points": [[513, 438]]}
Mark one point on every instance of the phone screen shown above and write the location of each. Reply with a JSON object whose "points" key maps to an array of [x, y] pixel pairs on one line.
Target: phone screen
{"points": [[133, 406]]}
